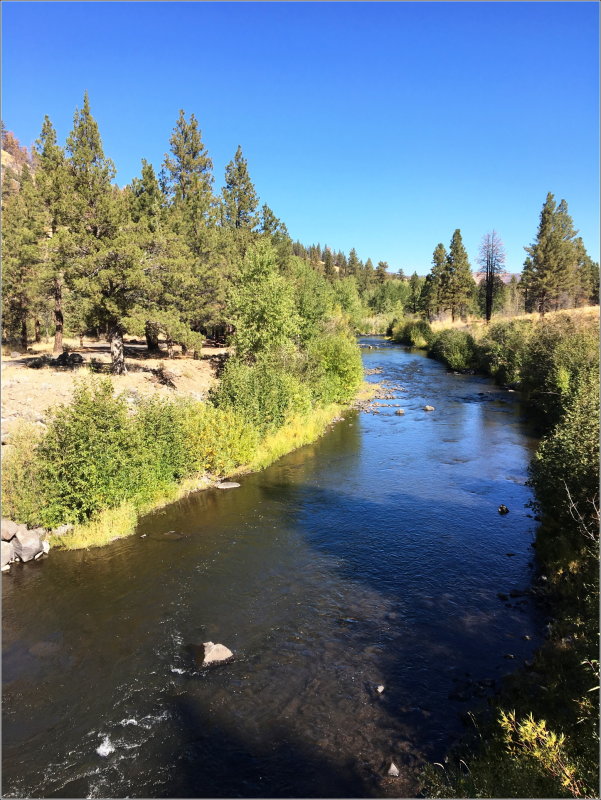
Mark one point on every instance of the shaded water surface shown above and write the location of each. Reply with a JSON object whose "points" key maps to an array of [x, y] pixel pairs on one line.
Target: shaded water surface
{"points": [[373, 557]]}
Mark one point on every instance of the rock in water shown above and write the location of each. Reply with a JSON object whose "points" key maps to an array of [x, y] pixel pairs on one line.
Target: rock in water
{"points": [[28, 544], [9, 529], [399, 412], [503, 509], [393, 770], [214, 653], [379, 689], [228, 485], [428, 408], [7, 553]]}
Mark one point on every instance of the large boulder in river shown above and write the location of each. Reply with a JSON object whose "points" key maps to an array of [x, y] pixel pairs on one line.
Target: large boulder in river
{"points": [[215, 653], [28, 544], [9, 529], [7, 553]]}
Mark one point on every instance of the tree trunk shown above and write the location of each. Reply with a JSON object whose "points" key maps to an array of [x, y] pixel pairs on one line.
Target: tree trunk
{"points": [[81, 341], [170, 344], [58, 314], [24, 331], [184, 349], [152, 337], [38, 331], [117, 354]]}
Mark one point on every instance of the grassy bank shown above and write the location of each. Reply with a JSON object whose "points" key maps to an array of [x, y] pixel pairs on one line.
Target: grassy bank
{"points": [[102, 465], [541, 736]]}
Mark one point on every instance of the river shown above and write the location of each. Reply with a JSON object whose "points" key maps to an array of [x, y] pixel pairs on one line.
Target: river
{"points": [[373, 557]]}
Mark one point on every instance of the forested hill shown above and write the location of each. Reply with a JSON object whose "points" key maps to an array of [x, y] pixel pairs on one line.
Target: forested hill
{"points": [[164, 256]]}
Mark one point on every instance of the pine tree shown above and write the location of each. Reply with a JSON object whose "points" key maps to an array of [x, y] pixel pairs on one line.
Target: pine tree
{"points": [[382, 271], [415, 289], [239, 196], [146, 198], [55, 185], [492, 260], [457, 285], [22, 254], [552, 268], [431, 294], [354, 265], [328, 265]]}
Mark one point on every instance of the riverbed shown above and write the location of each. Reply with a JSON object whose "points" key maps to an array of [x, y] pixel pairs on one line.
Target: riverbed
{"points": [[372, 558]]}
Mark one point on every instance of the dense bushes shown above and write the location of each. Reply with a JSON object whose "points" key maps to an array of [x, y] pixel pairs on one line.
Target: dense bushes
{"points": [[416, 333], [334, 368], [504, 349], [264, 393], [455, 348], [98, 452]]}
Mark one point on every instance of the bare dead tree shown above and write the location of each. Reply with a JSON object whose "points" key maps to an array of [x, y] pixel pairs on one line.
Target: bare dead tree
{"points": [[492, 259]]}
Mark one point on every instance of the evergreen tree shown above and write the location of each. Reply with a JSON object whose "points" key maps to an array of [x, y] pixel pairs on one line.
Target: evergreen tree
{"points": [[328, 265], [415, 290], [551, 272], [353, 266], [146, 198], [239, 196], [382, 271], [23, 231], [457, 285], [431, 294], [55, 185]]}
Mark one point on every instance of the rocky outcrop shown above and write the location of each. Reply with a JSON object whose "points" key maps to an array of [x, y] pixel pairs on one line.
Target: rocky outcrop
{"points": [[21, 544]]}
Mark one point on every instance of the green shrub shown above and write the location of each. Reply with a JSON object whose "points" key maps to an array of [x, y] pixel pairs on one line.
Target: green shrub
{"points": [[335, 370], [561, 349], [88, 456], [21, 476], [218, 439], [266, 396], [454, 348], [565, 468], [503, 350], [416, 333]]}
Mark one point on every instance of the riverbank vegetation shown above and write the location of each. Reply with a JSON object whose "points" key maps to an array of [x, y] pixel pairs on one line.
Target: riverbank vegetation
{"points": [[542, 739]]}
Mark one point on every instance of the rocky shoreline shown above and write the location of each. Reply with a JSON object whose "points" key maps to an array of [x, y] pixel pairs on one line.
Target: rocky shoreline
{"points": [[19, 543]]}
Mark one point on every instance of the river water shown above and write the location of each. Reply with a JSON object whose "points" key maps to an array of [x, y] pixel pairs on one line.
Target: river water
{"points": [[373, 557]]}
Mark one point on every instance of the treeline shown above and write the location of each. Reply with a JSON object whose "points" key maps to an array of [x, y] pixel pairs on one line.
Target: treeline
{"points": [[543, 739]]}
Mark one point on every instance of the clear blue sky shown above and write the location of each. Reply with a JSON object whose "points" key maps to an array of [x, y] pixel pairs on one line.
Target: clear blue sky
{"points": [[379, 126]]}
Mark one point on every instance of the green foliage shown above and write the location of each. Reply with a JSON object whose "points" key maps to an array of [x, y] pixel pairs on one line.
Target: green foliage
{"points": [[266, 395], [565, 469], [454, 348], [335, 370], [217, 439], [504, 349], [561, 349], [21, 476], [262, 305], [415, 332]]}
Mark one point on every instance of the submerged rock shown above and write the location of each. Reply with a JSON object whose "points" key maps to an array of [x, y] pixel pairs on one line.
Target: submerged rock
{"points": [[228, 485], [393, 770]]}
